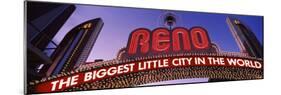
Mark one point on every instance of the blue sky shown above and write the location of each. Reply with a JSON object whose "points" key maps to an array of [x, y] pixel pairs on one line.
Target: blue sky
{"points": [[119, 22]]}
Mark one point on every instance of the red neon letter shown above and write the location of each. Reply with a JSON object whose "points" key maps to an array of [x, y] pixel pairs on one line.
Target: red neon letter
{"points": [[161, 40], [139, 37], [185, 39], [199, 38]]}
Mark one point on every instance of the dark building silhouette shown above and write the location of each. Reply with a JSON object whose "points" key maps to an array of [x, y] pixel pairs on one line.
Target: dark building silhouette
{"points": [[75, 47], [245, 38], [43, 21]]}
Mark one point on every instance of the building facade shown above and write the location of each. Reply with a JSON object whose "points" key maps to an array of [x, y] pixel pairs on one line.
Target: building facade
{"points": [[245, 38], [75, 47], [43, 21]]}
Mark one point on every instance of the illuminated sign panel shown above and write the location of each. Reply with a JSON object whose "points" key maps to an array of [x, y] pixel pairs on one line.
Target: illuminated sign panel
{"points": [[163, 41], [75, 47]]}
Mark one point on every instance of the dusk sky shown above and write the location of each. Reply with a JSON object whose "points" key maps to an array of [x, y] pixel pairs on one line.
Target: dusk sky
{"points": [[119, 22]]}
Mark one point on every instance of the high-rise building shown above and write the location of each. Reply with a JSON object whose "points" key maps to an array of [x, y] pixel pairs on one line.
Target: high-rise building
{"points": [[245, 38], [43, 21], [75, 47]]}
